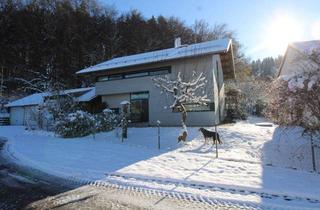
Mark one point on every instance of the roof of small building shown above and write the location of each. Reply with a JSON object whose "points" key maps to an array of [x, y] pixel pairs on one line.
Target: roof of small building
{"points": [[307, 47], [38, 98], [210, 47]]}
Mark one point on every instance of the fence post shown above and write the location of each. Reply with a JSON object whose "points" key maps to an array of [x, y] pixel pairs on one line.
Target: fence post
{"points": [[312, 154], [158, 124], [216, 136]]}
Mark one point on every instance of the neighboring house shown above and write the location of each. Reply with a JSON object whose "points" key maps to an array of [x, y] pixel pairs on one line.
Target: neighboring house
{"points": [[128, 78], [300, 57], [21, 110]]}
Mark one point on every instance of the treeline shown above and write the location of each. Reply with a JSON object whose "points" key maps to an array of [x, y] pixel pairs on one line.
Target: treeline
{"points": [[267, 67], [47, 41]]}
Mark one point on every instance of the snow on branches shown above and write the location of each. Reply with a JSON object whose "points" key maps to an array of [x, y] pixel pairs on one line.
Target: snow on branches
{"points": [[183, 92], [295, 100], [40, 82]]}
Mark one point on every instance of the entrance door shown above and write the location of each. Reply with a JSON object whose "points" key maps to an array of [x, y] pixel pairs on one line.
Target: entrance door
{"points": [[139, 107]]}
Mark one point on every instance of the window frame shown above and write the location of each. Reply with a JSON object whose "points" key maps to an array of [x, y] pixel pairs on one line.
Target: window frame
{"points": [[144, 73], [210, 105]]}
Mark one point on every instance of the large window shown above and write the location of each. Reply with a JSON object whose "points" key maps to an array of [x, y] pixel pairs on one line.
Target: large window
{"points": [[142, 73], [197, 108], [139, 107]]}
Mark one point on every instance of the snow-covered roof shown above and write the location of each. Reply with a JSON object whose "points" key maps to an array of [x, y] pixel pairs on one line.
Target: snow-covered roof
{"points": [[210, 47], [38, 98], [88, 96], [307, 47], [76, 90], [33, 99]]}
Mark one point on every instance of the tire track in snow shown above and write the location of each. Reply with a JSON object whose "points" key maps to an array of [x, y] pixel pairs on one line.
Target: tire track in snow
{"points": [[213, 187], [203, 201]]}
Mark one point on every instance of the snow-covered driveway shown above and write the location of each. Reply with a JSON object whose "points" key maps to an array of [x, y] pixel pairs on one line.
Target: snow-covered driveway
{"points": [[250, 167]]}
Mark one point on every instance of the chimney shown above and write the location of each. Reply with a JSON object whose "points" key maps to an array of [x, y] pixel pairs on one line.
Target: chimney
{"points": [[177, 42]]}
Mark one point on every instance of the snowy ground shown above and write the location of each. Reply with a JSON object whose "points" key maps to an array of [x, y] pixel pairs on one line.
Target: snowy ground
{"points": [[255, 164]]}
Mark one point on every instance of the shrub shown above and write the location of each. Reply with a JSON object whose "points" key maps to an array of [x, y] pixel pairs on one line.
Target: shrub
{"points": [[252, 98], [295, 101], [106, 121], [235, 106], [80, 123], [76, 124]]}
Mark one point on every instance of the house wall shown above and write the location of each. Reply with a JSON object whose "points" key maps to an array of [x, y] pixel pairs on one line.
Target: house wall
{"points": [[22, 115], [296, 62], [16, 115], [113, 92]]}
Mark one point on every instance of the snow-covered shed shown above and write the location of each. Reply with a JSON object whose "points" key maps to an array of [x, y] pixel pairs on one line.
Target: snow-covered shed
{"points": [[299, 57], [21, 110], [130, 78]]}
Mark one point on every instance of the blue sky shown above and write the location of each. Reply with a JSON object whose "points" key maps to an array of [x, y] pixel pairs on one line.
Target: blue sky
{"points": [[263, 27]]}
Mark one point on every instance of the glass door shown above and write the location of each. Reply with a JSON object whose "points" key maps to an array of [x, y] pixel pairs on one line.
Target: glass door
{"points": [[139, 107]]}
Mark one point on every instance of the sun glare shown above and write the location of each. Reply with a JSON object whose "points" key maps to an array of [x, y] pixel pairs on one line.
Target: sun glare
{"points": [[316, 30], [280, 31]]}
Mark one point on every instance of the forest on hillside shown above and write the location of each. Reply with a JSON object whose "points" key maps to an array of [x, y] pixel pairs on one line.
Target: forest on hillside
{"points": [[44, 42]]}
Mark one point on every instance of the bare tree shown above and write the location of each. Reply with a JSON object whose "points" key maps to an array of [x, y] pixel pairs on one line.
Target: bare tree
{"points": [[183, 92]]}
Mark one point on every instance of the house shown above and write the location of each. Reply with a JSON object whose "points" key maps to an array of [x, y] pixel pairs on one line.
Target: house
{"points": [[128, 78], [22, 110], [300, 57]]}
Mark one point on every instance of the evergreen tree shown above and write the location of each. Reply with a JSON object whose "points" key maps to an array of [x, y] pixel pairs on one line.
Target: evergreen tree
{"points": [[56, 38]]}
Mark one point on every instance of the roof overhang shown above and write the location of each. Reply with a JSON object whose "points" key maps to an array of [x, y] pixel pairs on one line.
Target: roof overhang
{"points": [[227, 63]]}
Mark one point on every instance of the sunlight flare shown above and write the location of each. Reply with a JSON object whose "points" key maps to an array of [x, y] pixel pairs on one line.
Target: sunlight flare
{"points": [[316, 30], [282, 30]]}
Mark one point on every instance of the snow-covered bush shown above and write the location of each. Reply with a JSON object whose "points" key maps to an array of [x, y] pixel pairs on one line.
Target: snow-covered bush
{"points": [[81, 123], [106, 121], [235, 106], [76, 124], [59, 106], [253, 92], [295, 100]]}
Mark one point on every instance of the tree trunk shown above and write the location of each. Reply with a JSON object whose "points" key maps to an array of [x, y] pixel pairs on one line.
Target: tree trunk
{"points": [[183, 115], [183, 136]]}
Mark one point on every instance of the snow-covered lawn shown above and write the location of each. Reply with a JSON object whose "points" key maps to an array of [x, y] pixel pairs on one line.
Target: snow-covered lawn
{"points": [[254, 161]]}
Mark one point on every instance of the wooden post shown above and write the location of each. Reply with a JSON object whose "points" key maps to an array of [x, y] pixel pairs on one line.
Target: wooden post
{"points": [[124, 120], [124, 129], [158, 136], [158, 123], [312, 154], [216, 136]]}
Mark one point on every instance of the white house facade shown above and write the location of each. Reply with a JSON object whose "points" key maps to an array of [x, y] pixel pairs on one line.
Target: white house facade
{"points": [[129, 79]]}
